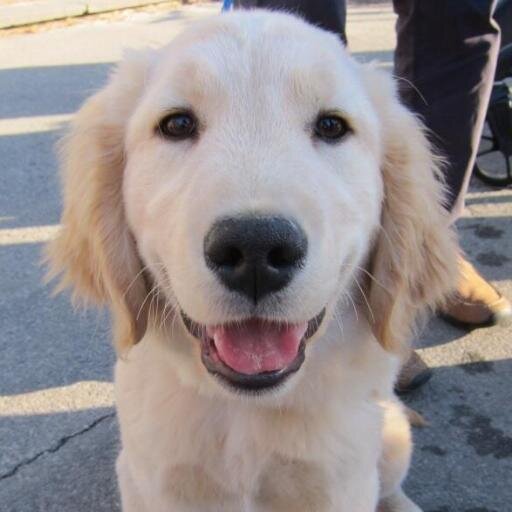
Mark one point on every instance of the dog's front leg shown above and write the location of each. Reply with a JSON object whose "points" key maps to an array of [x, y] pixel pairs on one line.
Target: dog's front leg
{"points": [[137, 496], [140, 495], [131, 498], [395, 459], [155, 501], [398, 502], [359, 493]]}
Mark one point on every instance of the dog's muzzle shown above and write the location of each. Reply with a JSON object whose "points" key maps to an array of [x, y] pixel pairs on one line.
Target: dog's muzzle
{"points": [[254, 256], [254, 354]]}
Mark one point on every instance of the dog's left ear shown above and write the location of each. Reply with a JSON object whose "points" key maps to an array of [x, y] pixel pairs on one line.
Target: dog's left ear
{"points": [[95, 253], [413, 263]]}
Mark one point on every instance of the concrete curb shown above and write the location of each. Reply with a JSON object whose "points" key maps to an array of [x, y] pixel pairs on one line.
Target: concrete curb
{"points": [[36, 11]]}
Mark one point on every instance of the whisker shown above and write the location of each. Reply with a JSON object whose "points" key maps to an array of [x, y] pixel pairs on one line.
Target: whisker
{"points": [[412, 86], [353, 305], [366, 272], [170, 310], [132, 282], [365, 299], [370, 275], [145, 300], [162, 316], [339, 322]]}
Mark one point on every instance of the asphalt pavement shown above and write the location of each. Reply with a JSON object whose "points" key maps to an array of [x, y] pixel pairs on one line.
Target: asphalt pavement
{"points": [[58, 430]]}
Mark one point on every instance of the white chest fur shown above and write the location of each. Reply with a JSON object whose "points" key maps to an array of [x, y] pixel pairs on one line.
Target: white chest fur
{"points": [[315, 450]]}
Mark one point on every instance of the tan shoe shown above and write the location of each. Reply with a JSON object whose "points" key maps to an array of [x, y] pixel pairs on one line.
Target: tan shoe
{"points": [[414, 373], [476, 302]]}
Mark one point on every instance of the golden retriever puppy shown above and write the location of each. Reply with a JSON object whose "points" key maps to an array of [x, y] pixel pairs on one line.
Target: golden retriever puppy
{"points": [[262, 217]]}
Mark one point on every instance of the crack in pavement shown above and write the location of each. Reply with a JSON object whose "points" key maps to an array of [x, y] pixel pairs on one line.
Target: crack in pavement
{"points": [[62, 442]]}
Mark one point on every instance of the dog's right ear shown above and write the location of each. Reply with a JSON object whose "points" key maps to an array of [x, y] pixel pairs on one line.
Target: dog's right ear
{"points": [[95, 253], [414, 260]]}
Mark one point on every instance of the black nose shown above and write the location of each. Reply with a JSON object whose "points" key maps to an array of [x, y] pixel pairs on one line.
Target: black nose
{"points": [[255, 255]]}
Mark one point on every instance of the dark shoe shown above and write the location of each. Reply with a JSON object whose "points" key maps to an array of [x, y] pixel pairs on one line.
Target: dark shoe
{"points": [[476, 302], [414, 374]]}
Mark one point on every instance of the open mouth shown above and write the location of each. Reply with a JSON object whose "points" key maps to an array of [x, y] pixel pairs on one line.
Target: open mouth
{"points": [[253, 354]]}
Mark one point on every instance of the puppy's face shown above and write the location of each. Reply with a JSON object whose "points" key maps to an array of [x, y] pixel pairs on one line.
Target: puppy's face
{"points": [[242, 175], [253, 189]]}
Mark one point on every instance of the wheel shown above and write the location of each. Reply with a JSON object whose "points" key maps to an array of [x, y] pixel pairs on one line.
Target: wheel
{"points": [[492, 166], [494, 159], [504, 66]]}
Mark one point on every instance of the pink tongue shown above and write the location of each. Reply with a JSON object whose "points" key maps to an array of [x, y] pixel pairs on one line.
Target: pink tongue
{"points": [[256, 346]]}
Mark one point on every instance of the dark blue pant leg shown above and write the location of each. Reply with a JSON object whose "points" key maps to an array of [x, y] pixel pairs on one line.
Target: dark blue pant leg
{"points": [[447, 51], [328, 14]]}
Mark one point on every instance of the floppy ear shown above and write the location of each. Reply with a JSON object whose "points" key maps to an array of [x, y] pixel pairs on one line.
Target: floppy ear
{"points": [[414, 258], [95, 253]]}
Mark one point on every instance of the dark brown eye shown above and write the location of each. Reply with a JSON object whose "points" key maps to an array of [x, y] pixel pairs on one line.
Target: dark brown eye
{"points": [[331, 128], [178, 126]]}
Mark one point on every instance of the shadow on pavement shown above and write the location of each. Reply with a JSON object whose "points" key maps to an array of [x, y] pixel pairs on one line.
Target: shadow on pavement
{"points": [[30, 180], [173, 16], [75, 474], [463, 458], [488, 243], [43, 343], [48, 90]]}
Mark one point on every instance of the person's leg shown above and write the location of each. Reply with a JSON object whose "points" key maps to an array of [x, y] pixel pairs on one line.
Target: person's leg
{"points": [[447, 52], [446, 55], [327, 14]]}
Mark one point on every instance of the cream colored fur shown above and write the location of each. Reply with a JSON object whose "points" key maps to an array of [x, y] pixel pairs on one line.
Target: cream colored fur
{"points": [[137, 207]]}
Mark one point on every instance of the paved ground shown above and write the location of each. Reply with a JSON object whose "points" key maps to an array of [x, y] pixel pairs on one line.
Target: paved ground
{"points": [[58, 432], [16, 13]]}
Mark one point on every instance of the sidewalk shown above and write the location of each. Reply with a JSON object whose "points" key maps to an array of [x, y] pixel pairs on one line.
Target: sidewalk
{"points": [[15, 13], [58, 429]]}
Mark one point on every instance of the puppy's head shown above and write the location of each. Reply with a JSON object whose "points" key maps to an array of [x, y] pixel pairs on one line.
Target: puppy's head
{"points": [[226, 191]]}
